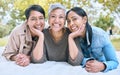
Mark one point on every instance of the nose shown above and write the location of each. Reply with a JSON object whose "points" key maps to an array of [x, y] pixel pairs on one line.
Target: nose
{"points": [[71, 23], [57, 19], [37, 21]]}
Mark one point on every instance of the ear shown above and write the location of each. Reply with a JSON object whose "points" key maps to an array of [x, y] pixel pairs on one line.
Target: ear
{"points": [[84, 19], [26, 21]]}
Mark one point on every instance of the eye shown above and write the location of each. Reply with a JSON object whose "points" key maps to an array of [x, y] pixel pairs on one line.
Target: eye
{"points": [[33, 19], [41, 18], [52, 16], [74, 19], [61, 17], [68, 21]]}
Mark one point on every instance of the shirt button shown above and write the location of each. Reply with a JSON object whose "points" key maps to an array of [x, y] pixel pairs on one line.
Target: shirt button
{"points": [[24, 47], [25, 31]]}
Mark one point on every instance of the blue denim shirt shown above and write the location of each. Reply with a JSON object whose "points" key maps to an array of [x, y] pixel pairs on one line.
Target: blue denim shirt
{"points": [[101, 49]]}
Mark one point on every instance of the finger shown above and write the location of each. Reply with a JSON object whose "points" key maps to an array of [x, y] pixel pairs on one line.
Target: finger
{"points": [[91, 61], [19, 56], [87, 66], [21, 63], [88, 69], [26, 63], [88, 63]]}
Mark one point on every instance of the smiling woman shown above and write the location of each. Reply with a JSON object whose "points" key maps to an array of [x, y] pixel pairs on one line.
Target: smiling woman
{"points": [[56, 39], [25, 38], [99, 53]]}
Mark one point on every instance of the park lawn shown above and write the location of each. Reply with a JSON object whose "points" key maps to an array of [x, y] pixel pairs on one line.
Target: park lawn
{"points": [[116, 43], [3, 41]]}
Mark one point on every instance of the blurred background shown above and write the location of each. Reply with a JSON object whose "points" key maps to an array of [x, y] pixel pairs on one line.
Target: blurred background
{"points": [[101, 13]]}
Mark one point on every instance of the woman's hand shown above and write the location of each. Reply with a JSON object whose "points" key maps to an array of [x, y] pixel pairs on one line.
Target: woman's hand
{"points": [[79, 32], [94, 66], [22, 59], [37, 32]]}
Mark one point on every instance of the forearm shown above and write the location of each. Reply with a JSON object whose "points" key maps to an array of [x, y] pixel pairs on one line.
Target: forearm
{"points": [[73, 50], [38, 50]]}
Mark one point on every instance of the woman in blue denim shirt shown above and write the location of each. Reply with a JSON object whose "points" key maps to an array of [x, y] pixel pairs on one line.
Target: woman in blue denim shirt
{"points": [[99, 53]]}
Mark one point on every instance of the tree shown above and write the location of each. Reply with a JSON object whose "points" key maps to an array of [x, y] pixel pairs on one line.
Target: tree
{"points": [[104, 22], [113, 6], [21, 5]]}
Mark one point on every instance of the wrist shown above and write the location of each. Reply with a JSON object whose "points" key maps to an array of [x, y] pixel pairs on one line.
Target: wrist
{"points": [[104, 67], [41, 36], [13, 57], [71, 36]]}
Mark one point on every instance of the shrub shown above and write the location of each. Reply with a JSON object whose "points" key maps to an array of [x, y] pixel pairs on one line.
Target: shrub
{"points": [[104, 22], [4, 30]]}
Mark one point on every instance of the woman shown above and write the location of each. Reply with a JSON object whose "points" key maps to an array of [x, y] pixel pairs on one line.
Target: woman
{"points": [[56, 39], [26, 37], [99, 53]]}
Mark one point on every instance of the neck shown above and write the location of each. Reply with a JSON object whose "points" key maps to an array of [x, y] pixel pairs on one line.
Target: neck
{"points": [[33, 35], [57, 35], [84, 34]]}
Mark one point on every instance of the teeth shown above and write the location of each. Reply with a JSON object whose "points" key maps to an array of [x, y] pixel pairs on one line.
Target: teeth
{"points": [[38, 27], [56, 25], [74, 28]]}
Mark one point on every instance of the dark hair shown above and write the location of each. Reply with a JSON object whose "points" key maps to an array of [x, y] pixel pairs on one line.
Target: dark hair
{"points": [[79, 11], [35, 8]]}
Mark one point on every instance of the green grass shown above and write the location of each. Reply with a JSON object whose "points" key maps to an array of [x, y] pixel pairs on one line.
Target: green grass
{"points": [[3, 41], [116, 43]]}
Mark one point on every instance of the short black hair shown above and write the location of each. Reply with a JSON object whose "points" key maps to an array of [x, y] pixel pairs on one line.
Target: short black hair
{"points": [[35, 8]]}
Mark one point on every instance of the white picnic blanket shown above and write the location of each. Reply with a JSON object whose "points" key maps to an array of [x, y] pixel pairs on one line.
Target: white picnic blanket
{"points": [[48, 68]]}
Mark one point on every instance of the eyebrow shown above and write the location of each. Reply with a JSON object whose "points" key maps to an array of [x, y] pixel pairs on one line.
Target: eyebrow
{"points": [[73, 17], [35, 16]]}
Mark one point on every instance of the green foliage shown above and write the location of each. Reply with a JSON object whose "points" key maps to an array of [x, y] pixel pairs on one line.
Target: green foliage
{"points": [[104, 22], [3, 41], [4, 30], [21, 5], [11, 24], [116, 43], [110, 4]]}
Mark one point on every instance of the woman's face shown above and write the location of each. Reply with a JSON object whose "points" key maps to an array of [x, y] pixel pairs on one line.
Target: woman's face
{"points": [[57, 19], [36, 20], [74, 21]]}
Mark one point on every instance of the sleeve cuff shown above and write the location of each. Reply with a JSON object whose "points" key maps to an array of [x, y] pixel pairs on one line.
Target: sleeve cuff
{"points": [[85, 60], [105, 70]]}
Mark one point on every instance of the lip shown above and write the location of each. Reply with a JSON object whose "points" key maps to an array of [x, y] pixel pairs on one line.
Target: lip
{"points": [[74, 28], [56, 25], [38, 27]]}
